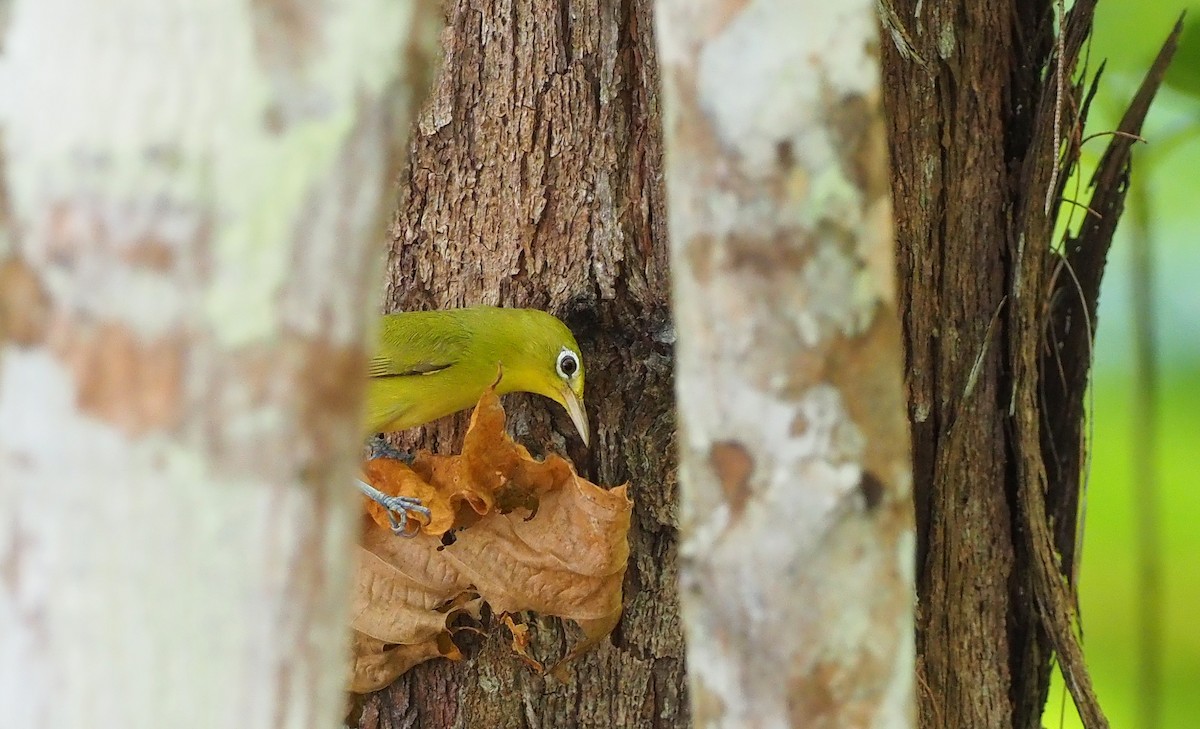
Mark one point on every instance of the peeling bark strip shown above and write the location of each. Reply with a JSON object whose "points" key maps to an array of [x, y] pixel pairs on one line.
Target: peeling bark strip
{"points": [[187, 195], [797, 519]]}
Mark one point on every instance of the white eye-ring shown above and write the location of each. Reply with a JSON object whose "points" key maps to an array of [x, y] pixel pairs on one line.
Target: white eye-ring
{"points": [[568, 364]]}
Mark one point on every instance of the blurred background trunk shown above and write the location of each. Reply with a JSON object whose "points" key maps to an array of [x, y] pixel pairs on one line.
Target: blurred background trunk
{"points": [[796, 509], [536, 181], [188, 193]]}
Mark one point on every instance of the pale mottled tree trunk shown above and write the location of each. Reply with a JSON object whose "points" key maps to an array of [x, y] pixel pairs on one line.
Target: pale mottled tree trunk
{"points": [[191, 191], [536, 182], [797, 526]]}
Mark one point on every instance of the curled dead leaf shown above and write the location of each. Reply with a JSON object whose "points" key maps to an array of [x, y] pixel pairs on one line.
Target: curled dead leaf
{"points": [[520, 643], [528, 535], [376, 664]]}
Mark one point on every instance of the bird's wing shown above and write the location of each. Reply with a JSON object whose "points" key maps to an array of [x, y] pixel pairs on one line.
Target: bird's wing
{"points": [[411, 346], [383, 366]]}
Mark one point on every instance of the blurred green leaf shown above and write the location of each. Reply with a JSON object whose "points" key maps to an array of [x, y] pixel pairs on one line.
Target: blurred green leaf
{"points": [[1184, 74], [1129, 34]]}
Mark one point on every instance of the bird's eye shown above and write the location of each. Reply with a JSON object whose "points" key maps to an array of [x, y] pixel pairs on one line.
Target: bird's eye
{"points": [[568, 364]]}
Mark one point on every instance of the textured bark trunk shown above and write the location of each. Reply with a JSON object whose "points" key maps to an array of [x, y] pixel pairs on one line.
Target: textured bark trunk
{"points": [[961, 108], [985, 117], [189, 192], [797, 525], [535, 181], [951, 124]]}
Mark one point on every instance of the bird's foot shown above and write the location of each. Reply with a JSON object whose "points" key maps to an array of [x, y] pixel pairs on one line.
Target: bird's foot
{"points": [[398, 509], [378, 447]]}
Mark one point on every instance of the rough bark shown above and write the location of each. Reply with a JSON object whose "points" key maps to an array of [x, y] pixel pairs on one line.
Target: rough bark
{"points": [[954, 203], [190, 191], [985, 110], [535, 182], [797, 527]]}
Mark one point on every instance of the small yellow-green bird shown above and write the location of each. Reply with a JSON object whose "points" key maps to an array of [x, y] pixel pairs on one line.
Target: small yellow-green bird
{"points": [[428, 364]]}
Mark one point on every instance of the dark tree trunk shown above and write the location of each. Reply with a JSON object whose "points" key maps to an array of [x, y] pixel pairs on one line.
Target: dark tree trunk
{"points": [[985, 109], [536, 181], [953, 130]]}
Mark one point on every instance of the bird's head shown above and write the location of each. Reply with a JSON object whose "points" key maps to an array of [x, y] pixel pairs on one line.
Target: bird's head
{"points": [[549, 364]]}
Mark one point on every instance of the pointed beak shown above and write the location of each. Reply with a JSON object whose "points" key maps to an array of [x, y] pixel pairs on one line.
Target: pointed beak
{"points": [[575, 409]]}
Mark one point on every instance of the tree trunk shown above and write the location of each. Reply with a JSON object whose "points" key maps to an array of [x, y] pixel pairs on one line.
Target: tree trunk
{"points": [[796, 514], [189, 191], [535, 181], [985, 112], [951, 118]]}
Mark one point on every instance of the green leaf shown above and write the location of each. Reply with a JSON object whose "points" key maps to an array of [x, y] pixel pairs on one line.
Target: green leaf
{"points": [[1129, 34]]}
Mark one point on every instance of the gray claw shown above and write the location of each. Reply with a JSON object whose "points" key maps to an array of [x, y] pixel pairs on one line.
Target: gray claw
{"points": [[397, 508], [378, 447]]}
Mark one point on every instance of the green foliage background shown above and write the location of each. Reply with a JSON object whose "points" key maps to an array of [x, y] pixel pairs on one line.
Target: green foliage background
{"points": [[1129, 33]]}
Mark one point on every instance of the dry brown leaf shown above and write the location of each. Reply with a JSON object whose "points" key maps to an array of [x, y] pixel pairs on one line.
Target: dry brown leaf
{"points": [[520, 643], [594, 631], [529, 535], [376, 664]]}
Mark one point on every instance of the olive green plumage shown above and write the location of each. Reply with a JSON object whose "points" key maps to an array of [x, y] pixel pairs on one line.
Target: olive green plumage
{"points": [[433, 363]]}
